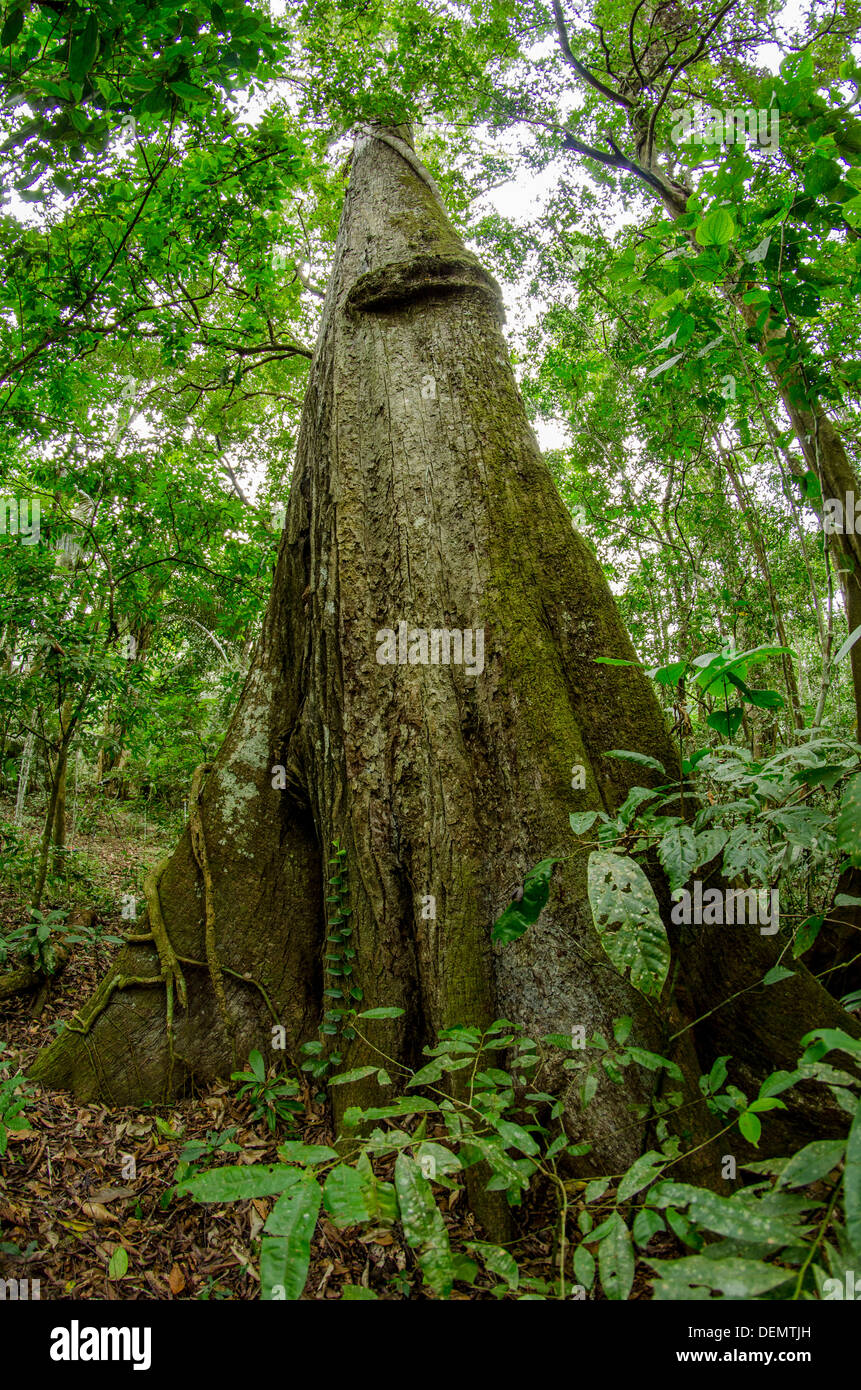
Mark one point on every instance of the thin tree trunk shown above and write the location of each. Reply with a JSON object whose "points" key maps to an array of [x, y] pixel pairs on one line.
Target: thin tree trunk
{"points": [[749, 514]]}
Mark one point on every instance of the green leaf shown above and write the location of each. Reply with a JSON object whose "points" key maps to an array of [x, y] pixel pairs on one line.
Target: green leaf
{"points": [[852, 1183], [709, 843], [119, 1263], [582, 821], [584, 1266], [750, 1127], [849, 821], [824, 775], [294, 1151], [776, 974], [627, 919], [516, 1137], [437, 1068], [344, 1196], [731, 1276], [356, 1293], [646, 1224], [12, 28], [286, 1247], [813, 1162], [677, 852], [513, 922], [806, 935], [497, 1261], [764, 699], [345, 1077], [641, 1173], [189, 92], [423, 1225], [626, 755], [726, 722], [821, 175], [616, 1260], [848, 645], [84, 48], [235, 1183], [668, 675], [382, 1013], [716, 229]]}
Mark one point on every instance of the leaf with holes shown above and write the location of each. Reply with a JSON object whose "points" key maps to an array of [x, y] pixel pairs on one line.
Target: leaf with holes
{"points": [[626, 915]]}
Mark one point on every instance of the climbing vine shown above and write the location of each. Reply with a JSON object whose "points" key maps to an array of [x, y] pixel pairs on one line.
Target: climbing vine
{"points": [[340, 989]]}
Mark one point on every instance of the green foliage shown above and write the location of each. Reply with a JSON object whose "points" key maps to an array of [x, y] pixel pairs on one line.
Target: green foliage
{"points": [[767, 1239], [522, 913], [272, 1099], [13, 1099]]}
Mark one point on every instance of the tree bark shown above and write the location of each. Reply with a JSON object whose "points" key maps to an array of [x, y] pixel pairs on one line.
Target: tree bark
{"points": [[419, 496]]}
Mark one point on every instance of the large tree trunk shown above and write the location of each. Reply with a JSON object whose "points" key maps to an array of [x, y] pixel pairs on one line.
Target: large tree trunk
{"points": [[419, 496]]}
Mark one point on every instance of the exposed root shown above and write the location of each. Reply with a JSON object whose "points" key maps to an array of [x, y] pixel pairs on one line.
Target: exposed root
{"points": [[198, 845], [84, 1025], [170, 967]]}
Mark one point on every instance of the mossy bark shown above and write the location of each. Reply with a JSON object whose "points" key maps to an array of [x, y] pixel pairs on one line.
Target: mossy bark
{"points": [[420, 496]]}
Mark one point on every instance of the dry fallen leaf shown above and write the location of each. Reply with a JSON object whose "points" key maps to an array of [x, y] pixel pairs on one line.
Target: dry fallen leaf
{"points": [[97, 1212], [176, 1279]]}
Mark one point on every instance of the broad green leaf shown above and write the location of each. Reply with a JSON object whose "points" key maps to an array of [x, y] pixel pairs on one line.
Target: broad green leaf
{"points": [[437, 1068], [626, 755], [516, 1137], [812, 1162], [726, 722], [708, 844], [716, 229], [626, 916], [849, 821], [497, 1261], [344, 1196], [584, 1266], [235, 1183], [285, 1252], [852, 1184], [848, 645], [731, 1276], [582, 821], [668, 675], [646, 1224], [641, 1173], [294, 1151], [677, 851], [423, 1225], [382, 1013], [616, 1261], [357, 1074], [119, 1263], [83, 50], [514, 921]]}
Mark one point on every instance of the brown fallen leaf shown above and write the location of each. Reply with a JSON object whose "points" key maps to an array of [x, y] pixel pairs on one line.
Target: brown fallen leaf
{"points": [[176, 1279], [97, 1212]]}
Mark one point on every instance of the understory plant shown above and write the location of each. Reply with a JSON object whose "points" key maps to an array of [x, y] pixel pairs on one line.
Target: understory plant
{"points": [[792, 1231]]}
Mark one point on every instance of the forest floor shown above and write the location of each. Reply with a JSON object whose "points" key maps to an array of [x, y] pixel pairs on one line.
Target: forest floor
{"points": [[68, 1199]]}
